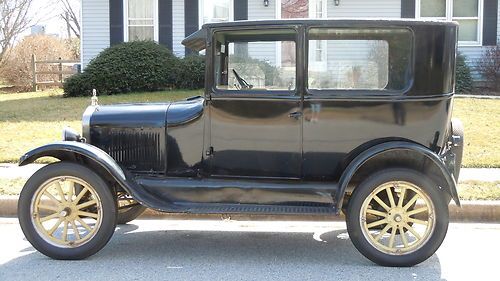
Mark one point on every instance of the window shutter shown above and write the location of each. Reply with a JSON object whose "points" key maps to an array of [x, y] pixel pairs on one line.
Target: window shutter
{"points": [[116, 21], [165, 22], [408, 8], [490, 9], [191, 18], [241, 10]]}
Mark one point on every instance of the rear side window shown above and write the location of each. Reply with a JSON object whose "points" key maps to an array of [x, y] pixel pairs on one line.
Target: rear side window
{"points": [[359, 59]]}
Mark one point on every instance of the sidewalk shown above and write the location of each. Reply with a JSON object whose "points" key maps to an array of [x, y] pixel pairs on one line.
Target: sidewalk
{"points": [[479, 174], [10, 171]]}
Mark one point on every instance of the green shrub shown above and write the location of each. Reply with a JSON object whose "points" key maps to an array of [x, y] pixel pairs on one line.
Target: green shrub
{"points": [[463, 84], [271, 73], [127, 67], [191, 72]]}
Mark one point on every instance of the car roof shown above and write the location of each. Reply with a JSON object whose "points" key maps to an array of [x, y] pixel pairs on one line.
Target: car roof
{"points": [[336, 22], [196, 41]]}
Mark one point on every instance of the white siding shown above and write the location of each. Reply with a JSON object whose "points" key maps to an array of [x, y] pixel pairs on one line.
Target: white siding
{"points": [[178, 33], [257, 11], [365, 9], [346, 9], [95, 29], [357, 9]]}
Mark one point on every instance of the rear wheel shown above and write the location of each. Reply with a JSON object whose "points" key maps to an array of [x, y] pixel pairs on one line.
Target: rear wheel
{"points": [[128, 208], [397, 217], [66, 211]]}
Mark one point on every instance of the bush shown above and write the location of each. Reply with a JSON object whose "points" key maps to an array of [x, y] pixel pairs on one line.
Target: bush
{"points": [[127, 67], [270, 72], [489, 66], [16, 70], [191, 72], [463, 84]]}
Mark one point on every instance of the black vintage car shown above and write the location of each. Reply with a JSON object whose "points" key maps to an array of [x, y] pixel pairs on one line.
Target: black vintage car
{"points": [[312, 117]]}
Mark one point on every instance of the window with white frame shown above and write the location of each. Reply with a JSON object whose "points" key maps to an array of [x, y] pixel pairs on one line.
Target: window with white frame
{"points": [[468, 13], [141, 20], [215, 11]]}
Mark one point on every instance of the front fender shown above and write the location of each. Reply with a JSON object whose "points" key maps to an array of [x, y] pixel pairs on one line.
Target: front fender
{"points": [[68, 150], [376, 150], [61, 149]]}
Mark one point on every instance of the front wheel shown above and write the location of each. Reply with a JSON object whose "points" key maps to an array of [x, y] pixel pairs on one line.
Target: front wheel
{"points": [[397, 217], [66, 211]]}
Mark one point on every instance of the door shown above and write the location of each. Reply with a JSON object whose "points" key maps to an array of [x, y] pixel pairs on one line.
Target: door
{"points": [[255, 111]]}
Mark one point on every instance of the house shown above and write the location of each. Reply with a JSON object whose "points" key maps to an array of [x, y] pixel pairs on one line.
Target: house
{"points": [[109, 22]]}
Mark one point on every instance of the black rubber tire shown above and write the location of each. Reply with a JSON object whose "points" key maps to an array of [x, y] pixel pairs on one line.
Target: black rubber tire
{"points": [[457, 129], [366, 187], [109, 211], [130, 214]]}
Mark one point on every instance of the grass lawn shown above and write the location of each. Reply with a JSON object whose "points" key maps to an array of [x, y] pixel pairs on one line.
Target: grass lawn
{"points": [[28, 120], [481, 119]]}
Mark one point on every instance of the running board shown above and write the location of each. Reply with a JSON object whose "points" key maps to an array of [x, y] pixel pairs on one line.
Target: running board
{"points": [[200, 208], [216, 196]]}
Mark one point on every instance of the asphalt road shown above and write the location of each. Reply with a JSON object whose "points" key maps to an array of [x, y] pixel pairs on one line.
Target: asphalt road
{"points": [[235, 250]]}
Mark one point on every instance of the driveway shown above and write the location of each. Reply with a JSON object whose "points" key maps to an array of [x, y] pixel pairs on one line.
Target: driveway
{"points": [[248, 250]]}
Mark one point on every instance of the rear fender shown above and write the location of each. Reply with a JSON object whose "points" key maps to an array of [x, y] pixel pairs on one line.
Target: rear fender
{"points": [[380, 149]]}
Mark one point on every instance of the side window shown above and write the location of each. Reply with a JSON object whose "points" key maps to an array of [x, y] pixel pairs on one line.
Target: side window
{"points": [[360, 59], [255, 61]]}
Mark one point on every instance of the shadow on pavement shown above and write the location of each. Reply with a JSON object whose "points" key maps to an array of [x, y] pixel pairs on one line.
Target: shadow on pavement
{"points": [[217, 255]]}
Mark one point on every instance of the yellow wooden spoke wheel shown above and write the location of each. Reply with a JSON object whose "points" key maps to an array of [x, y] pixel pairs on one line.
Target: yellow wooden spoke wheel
{"points": [[402, 222], [66, 211], [397, 217]]}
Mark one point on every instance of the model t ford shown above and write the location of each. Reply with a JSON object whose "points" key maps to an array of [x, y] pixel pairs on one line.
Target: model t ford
{"points": [[297, 117]]}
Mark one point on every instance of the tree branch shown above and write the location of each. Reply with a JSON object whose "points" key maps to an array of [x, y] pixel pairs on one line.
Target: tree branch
{"points": [[14, 20]]}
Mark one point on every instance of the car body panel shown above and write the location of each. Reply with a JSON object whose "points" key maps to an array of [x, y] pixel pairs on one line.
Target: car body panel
{"points": [[255, 137], [335, 130], [185, 137]]}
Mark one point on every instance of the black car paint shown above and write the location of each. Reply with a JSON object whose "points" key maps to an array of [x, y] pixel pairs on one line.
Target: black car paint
{"points": [[255, 150]]}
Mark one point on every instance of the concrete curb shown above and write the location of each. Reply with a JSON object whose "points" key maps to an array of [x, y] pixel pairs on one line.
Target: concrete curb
{"points": [[471, 211]]}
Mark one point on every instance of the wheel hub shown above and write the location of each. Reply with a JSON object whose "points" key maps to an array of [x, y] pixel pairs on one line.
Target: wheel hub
{"points": [[398, 218], [66, 212]]}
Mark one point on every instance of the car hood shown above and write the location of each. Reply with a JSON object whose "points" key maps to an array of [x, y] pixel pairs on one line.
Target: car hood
{"points": [[130, 115], [145, 115]]}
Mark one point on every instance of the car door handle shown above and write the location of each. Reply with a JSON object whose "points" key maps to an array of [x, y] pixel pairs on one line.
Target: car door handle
{"points": [[295, 114]]}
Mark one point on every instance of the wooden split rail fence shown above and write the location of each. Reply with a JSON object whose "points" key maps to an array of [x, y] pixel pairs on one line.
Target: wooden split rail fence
{"points": [[56, 69]]}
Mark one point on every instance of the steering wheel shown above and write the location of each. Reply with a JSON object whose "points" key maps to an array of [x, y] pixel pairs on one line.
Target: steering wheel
{"points": [[243, 83]]}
